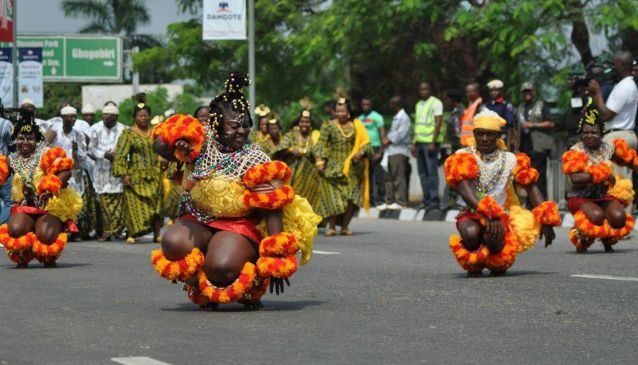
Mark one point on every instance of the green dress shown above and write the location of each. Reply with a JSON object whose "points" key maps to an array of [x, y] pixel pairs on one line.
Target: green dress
{"points": [[134, 156], [334, 146], [305, 177]]}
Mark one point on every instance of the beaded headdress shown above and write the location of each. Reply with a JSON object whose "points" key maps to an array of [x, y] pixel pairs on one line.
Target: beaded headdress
{"points": [[232, 99], [26, 125], [592, 117]]}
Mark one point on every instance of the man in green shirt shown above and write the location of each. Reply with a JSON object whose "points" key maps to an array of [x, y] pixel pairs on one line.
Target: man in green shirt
{"points": [[373, 122], [429, 132]]}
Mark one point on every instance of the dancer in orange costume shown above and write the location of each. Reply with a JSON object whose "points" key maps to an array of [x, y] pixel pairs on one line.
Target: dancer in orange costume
{"points": [[597, 198], [240, 224], [44, 206], [493, 226]]}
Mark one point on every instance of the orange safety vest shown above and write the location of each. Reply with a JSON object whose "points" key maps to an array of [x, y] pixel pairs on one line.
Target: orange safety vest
{"points": [[467, 122]]}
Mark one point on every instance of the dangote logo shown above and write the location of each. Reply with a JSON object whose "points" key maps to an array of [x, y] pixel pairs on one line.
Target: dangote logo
{"points": [[223, 7]]}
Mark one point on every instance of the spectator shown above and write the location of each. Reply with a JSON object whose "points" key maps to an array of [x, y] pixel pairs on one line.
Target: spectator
{"points": [[475, 101], [109, 188], [505, 110], [427, 139], [620, 109], [373, 122], [535, 133], [453, 121], [397, 144], [579, 100], [88, 113], [6, 127]]}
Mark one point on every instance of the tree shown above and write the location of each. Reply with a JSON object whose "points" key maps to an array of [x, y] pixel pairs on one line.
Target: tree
{"points": [[119, 17]]}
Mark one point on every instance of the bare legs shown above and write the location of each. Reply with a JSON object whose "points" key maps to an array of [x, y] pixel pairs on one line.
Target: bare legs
{"points": [[47, 228], [346, 218], [473, 234], [612, 211]]}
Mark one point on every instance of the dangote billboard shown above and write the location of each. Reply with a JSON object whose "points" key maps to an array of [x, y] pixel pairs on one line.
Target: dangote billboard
{"points": [[225, 19]]}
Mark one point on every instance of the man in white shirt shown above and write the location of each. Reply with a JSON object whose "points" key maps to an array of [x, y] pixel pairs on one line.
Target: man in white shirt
{"points": [[397, 147], [64, 135], [620, 109], [109, 189]]}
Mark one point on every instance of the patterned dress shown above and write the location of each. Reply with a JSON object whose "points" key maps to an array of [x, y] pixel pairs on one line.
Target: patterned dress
{"points": [[143, 199], [305, 177], [334, 146]]}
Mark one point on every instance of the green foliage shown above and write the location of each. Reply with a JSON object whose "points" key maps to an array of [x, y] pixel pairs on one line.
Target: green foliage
{"points": [[55, 94], [381, 48], [159, 103]]}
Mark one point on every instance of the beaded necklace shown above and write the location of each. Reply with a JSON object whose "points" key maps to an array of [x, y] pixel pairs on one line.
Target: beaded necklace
{"points": [[227, 165], [491, 167], [26, 166], [602, 154], [304, 145], [341, 129]]}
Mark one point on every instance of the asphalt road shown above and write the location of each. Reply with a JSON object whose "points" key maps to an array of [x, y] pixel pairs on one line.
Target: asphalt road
{"points": [[391, 294]]}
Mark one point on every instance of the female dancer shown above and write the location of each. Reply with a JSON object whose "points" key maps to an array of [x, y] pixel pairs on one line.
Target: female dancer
{"points": [[295, 150], [260, 135], [141, 174], [493, 226], [44, 206], [272, 143], [597, 198], [342, 161], [240, 224]]}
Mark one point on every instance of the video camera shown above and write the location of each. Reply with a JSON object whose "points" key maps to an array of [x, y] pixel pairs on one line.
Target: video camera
{"points": [[601, 72], [14, 114]]}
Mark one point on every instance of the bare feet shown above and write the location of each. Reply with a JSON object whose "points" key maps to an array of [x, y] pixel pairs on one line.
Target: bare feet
{"points": [[253, 306]]}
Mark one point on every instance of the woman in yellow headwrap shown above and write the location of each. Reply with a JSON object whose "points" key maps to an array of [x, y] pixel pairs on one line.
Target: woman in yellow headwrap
{"points": [[597, 198], [341, 155], [493, 226]]}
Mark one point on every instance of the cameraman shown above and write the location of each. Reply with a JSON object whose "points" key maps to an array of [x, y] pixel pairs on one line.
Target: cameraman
{"points": [[579, 99], [620, 109]]}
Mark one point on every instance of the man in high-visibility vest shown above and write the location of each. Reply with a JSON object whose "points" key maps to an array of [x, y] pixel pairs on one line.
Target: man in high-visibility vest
{"points": [[429, 132], [473, 92]]}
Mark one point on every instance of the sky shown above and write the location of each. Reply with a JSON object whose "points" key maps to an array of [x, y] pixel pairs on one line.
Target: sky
{"points": [[46, 17]]}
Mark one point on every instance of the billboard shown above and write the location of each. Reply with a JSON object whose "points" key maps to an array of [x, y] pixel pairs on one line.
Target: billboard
{"points": [[30, 75], [224, 19]]}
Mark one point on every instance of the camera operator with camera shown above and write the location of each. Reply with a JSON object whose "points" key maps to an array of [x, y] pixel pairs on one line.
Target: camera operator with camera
{"points": [[580, 100], [620, 109]]}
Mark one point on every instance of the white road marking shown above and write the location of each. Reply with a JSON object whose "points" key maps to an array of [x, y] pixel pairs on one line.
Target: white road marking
{"points": [[138, 360], [326, 252], [606, 277]]}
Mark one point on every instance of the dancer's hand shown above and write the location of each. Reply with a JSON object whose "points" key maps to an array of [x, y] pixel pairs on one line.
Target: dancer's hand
{"points": [[183, 146], [44, 198], [548, 233], [278, 285], [494, 230], [127, 180]]}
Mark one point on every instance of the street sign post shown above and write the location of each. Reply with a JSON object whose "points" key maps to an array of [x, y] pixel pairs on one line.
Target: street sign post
{"points": [[78, 58]]}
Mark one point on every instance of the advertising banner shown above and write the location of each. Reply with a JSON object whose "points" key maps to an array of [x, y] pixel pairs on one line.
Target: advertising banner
{"points": [[6, 20], [224, 19], [6, 77], [30, 75]]}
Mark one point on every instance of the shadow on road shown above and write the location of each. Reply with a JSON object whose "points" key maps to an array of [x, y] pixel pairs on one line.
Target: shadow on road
{"points": [[515, 273], [229, 308], [40, 266]]}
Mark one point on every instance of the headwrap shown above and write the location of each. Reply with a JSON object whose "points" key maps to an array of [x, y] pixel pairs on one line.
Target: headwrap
{"points": [[68, 110], [88, 109], [262, 110], [110, 109], [495, 84], [489, 120], [26, 125], [27, 102]]}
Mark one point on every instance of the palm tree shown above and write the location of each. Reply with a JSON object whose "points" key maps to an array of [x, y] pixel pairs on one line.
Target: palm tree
{"points": [[119, 17]]}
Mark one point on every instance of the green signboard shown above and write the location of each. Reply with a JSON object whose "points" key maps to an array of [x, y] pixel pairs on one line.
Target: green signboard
{"points": [[78, 58]]}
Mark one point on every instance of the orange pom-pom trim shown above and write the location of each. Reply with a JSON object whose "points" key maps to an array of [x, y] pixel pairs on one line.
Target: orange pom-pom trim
{"points": [[49, 253], [523, 162], [489, 208], [499, 263], [195, 296], [546, 213], [623, 152], [183, 127], [527, 176], [4, 169], [623, 231], [277, 267], [280, 244], [15, 244], [588, 228], [460, 166], [574, 161], [50, 183], [60, 164], [599, 173], [472, 261], [266, 172], [276, 199], [259, 289], [50, 156], [181, 270], [242, 285], [577, 242]]}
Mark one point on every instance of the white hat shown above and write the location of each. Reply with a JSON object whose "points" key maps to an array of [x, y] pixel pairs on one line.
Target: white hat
{"points": [[68, 110], [27, 102], [495, 84], [110, 109], [88, 109], [169, 113]]}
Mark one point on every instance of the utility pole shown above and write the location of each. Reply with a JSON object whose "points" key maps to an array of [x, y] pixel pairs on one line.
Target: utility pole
{"points": [[251, 53], [135, 79]]}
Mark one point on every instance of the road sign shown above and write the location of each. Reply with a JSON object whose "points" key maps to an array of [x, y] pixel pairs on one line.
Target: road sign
{"points": [[78, 58]]}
